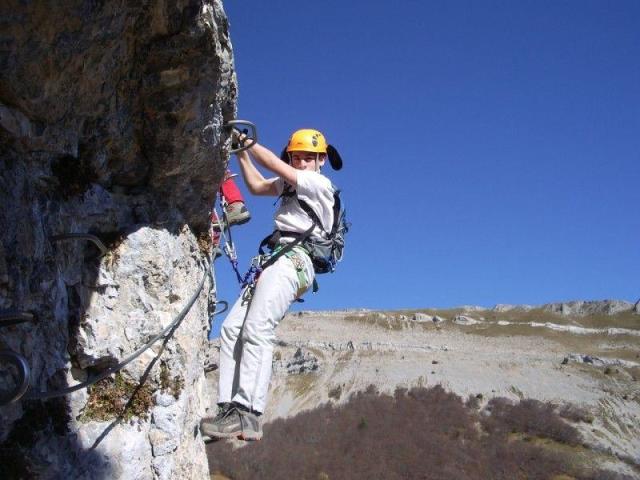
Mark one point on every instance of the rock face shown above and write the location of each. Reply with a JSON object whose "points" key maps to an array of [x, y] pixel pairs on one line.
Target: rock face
{"points": [[581, 308], [504, 307], [110, 124], [300, 362]]}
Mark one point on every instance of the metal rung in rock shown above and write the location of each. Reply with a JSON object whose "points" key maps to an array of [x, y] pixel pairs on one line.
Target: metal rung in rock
{"points": [[22, 384], [250, 129], [82, 236], [13, 317]]}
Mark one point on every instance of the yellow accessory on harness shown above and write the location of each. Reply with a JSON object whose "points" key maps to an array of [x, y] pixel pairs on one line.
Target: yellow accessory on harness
{"points": [[298, 263]]}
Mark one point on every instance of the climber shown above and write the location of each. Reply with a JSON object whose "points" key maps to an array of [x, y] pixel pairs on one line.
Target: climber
{"points": [[248, 332]]}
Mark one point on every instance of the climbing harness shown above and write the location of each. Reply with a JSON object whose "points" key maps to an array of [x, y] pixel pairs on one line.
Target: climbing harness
{"points": [[324, 252], [258, 263], [22, 367], [250, 279], [280, 249]]}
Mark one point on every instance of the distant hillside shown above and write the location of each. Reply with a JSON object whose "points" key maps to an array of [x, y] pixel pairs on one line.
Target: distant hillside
{"points": [[579, 356]]}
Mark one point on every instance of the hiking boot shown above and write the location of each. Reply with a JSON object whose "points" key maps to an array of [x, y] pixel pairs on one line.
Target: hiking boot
{"points": [[225, 424], [251, 426], [237, 213], [223, 409]]}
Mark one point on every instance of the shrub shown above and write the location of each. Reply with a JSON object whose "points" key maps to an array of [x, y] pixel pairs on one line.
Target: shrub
{"points": [[575, 414], [336, 392], [417, 433], [117, 397], [530, 417]]}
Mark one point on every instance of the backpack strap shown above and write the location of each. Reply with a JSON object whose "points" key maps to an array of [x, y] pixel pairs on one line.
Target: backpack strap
{"points": [[337, 205], [271, 241], [287, 191], [314, 216]]}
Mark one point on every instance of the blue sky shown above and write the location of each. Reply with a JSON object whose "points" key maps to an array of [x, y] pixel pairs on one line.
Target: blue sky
{"points": [[491, 148]]}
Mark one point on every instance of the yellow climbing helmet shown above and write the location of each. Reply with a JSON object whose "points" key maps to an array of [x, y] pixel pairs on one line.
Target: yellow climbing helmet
{"points": [[307, 140], [310, 140]]}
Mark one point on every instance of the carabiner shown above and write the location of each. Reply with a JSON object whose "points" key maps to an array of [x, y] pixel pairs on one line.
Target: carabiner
{"points": [[225, 307], [252, 135]]}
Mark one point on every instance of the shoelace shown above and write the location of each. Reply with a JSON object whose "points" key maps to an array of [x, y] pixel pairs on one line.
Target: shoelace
{"points": [[224, 413]]}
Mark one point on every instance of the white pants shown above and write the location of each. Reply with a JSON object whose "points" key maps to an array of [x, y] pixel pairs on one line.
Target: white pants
{"points": [[248, 333]]}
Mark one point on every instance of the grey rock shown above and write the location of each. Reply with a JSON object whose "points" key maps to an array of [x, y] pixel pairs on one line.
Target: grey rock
{"points": [[168, 419], [582, 308], [422, 317], [301, 362], [163, 467], [371, 346], [111, 120], [465, 320], [598, 362], [15, 122], [505, 307], [164, 399], [162, 443], [471, 308], [211, 355]]}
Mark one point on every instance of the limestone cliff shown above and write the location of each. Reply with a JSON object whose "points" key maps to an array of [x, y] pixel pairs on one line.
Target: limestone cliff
{"points": [[103, 109]]}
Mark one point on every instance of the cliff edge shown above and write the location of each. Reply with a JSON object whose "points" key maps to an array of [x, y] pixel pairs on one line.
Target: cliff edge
{"points": [[110, 125]]}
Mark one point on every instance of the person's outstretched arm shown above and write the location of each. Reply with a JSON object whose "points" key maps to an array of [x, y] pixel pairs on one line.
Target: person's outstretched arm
{"points": [[256, 183], [273, 163]]}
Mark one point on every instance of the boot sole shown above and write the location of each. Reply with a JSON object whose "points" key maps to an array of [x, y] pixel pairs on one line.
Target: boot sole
{"points": [[240, 221], [214, 435], [254, 437], [206, 438]]}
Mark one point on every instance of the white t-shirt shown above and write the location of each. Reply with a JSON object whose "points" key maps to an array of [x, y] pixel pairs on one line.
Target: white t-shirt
{"points": [[315, 189]]}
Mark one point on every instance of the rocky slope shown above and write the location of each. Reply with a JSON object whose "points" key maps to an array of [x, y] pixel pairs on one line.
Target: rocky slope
{"points": [[588, 356], [103, 109]]}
